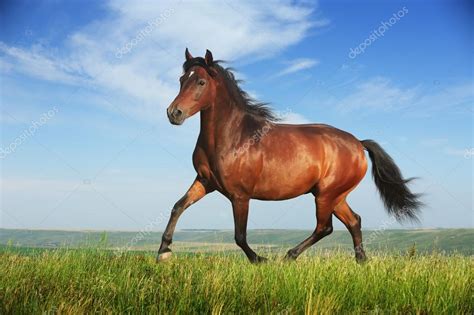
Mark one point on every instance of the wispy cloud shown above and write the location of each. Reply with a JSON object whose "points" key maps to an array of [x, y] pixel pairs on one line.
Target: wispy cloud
{"points": [[146, 75], [377, 94], [295, 118], [37, 63], [444, 146], [298, 65], [381, 94], [456, 152]]}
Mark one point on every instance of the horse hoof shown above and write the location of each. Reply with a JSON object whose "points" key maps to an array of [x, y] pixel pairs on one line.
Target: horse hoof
{"points": [[361, 260], [259, 260], [164, 256], [290, 256]]}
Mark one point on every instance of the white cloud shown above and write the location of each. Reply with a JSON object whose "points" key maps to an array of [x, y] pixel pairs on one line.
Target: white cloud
{"points": [[298, 65], [155, 35], [37, 63], [381, 94], [377, 94], [443, 145], [295, 118], [454, 97]]}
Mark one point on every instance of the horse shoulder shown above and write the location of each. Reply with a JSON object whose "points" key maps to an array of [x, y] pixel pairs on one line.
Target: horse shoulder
{"points": [[201, 163]]}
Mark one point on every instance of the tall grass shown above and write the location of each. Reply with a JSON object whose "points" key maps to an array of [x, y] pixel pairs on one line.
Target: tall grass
{"points": [[78, 281]]}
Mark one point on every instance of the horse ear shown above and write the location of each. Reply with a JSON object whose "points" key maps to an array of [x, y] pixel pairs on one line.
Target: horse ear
{"points": [[188, 55], [208, 58]]}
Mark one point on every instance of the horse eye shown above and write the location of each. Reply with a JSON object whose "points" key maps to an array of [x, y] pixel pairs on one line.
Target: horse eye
{"points": [[201, 82]]}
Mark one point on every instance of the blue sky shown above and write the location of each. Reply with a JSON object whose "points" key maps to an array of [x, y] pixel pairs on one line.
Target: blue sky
{"points": [[84, 86]]}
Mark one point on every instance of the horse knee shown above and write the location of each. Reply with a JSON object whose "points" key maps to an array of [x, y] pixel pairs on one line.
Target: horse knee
{"points": [[180, 205], [328, 230], [178, 208], [355, 223], [324, 230]]}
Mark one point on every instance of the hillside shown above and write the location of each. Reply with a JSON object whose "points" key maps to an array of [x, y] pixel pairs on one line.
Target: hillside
{"points": [[442, 240]]}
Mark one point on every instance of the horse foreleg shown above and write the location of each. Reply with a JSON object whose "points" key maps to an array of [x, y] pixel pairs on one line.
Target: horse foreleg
{"points": [[197, 190], [241, 211]]}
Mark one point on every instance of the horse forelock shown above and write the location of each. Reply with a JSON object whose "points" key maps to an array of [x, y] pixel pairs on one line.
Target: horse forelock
{"points": [[198, 61]]}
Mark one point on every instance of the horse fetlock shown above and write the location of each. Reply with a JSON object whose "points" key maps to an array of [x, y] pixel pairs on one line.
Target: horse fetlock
{"points": [[360, 257], [360, 254], [167, 240], [291, 255]]}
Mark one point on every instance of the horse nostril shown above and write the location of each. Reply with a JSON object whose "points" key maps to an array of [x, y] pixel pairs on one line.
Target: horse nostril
{"points": [[177, 113]]}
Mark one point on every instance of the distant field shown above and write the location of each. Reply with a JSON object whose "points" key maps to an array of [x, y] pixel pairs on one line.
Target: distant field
{"points": [[425, 241]]}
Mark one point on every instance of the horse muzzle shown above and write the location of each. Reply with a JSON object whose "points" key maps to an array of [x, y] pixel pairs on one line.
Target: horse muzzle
{"points": [[175, 116]]}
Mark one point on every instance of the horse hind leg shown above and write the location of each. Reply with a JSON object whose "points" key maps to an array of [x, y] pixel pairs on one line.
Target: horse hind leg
{"points": [[353, 223], [324, 210]]}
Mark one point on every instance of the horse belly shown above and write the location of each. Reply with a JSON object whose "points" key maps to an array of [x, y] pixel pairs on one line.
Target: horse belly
{"points": [[280, 182]]}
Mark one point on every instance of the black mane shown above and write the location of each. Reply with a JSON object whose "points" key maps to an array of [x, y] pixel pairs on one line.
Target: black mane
{"points": [[243, 100]]}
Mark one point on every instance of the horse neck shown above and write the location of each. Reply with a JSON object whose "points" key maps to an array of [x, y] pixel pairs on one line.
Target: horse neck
{"points": [[221, 121]]}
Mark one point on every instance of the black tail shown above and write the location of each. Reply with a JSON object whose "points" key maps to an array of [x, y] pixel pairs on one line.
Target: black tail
{"points": [[397, 197]]}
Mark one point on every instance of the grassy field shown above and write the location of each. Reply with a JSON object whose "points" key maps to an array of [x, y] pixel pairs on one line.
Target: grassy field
{"points": [[417, 271], [94, 280]]}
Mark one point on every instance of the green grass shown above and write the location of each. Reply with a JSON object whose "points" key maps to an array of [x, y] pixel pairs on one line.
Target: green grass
{"points": [[94, 280], [409, 271]]}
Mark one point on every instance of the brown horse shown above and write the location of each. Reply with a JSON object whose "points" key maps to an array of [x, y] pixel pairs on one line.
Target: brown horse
{"points": [[244, 154]]}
